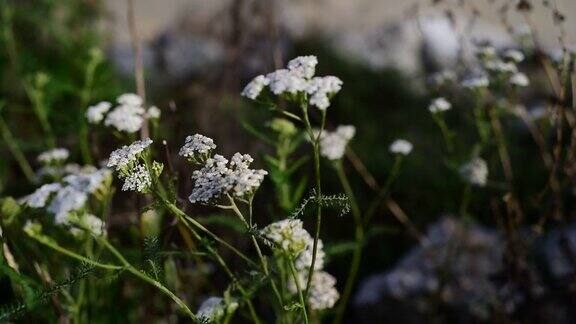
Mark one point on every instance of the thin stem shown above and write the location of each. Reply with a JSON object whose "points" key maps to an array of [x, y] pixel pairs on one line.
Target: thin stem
{"points": [[85, 96], [298, 288], [359, 237], [465, 200], [263, 262], [316, 149], [16, 152], [446, 134], [383, 193], [75, 255], [138, 63], [187, 219], [146, 278]]}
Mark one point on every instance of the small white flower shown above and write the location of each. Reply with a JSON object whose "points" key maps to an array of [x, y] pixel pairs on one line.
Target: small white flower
{"points": [[322, 293], [91, 223], [288, 235], [439, 105], [499, 66], [519, 79], [39, 197], [130, 99], [153, 113], [138, 179], [304, 259], [333, 144], [54, 155], [303, 66], [88, 182], [95, 114], [67, 200], [126, 118], [321, 88], [486, 51], [122, 157], [197, 145], [284, 81], [401, 146], [475, 172], [514, 55], [217, 178], [214, 308], [255, 87], [476, 82]]}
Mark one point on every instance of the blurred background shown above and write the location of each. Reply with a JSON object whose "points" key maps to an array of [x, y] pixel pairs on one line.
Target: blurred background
{"points": [[199, 54]]}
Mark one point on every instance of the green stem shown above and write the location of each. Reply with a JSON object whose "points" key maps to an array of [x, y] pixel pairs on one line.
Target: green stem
{"points": [[16, 152], [385, 190], [359, 236], [263, 262], [465, 200], [446, 134], [85, 95], [299, 289], [147, 279], [316, 149], [74, 255]]}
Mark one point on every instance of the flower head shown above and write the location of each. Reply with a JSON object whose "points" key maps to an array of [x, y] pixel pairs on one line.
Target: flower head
{"points": [[88, 182], [54, 156], [197, 147], [255, 87], [218, 177], [95, 114], [214, 308], [519, 79], [137, 179], [321, 89], [322, 294], [476, 82], [475, 172], [439, 105], [333, 144], [67, 200], [124, 156], [288, 235], [303, 66], [126, 118], [153, 113], [401, 146], [130, 99], [39, 197], [514, 55]]}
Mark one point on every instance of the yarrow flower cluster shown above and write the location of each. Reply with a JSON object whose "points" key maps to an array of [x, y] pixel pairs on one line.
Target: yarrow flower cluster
{"points": [[128, 116], [125, 160], [61, 199], [215, 308], [401, 146], [333, 144], [298, 78], [475, 172], [52, 156], [127, 154], [290, 237], [218, 177], [197, 148], [439, 105], [501, 67]]}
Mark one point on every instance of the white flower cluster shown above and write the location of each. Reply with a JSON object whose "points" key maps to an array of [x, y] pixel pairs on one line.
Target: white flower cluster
{"points": [[54, 156], [439, 105], [214, 308], [90, 223], [290, 236], [500, 66], [128, 116], [95, 114], [401, 146], [127, 154], [138, 180], [475, 172], [69, 196], [218, 177], [297, 78], [125, 160], [197, 147], [476, 82], [333, 144]]}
